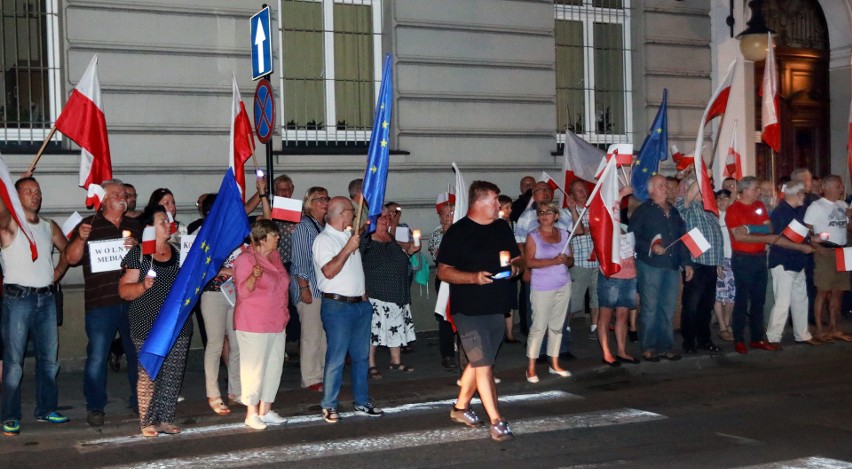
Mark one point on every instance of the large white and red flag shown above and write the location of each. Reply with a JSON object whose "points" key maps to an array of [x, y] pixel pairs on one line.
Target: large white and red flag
{"points": [[581, 160], [10, 198], [83, 121], [242, 139], [715, 108], [602, 222], [733, 164], [769, 115], [442, 304]]}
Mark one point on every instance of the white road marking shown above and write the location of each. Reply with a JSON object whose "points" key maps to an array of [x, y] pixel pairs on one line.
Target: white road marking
{"points": [[813, 462], [301, 452], [740, 440], [298, 420]]}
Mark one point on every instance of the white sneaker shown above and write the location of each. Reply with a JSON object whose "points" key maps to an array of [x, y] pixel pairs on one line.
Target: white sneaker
{"points": [[255, 422], [272, 418]]}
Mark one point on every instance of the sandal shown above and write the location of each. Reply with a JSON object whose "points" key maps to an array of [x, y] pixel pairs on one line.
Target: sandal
{"points": [[150, 431], [169, 428], [841, 336], [218, 406], [400, 367], [374, 372]]}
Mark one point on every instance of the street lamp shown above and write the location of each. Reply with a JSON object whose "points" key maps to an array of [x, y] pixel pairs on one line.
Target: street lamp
{"points": [[753, 40]]}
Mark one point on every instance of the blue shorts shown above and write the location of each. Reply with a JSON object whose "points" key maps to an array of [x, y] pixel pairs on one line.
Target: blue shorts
{"points": [[616, 292]]}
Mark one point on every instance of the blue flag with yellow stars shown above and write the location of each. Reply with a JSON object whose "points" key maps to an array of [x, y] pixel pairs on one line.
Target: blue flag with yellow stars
{"points": [[654, 149], [376, 175], [224, 228]]}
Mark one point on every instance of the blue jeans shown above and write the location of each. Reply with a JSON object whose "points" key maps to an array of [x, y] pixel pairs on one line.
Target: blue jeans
{"points": [[29, 314], [658, 294], [101, 325], [347, 329]]}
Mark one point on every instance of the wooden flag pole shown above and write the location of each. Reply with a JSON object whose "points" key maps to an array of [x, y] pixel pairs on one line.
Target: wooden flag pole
{"points": [[574, 229], [34, 162], [356, 228]]}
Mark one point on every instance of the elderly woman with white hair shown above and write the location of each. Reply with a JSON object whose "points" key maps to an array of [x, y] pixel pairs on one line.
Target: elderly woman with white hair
{"points": [[787, 267]]}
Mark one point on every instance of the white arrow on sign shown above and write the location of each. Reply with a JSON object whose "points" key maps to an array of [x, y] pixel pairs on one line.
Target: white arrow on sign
{"points": [[259, 39]]}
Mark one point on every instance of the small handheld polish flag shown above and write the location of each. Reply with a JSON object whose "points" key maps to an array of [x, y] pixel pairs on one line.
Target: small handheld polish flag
{"points": [[695, 242], [656, 240], [149, 243], [172, 223], [843, 259], [71, 223], [444, 198], [795, 231], [286, 209], [550, 181], [95, 196]]}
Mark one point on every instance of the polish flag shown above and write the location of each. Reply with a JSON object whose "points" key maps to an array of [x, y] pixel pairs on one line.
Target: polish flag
{"points": [[715, 108], [95, 196], [83, 121], [444, 198], [172, 223], [843, 259], [149, 240], [681, 161], [71, 223], [795, 231], [580, 160], [10, 198], [622, 152], [657, 240], [442, 303], [733, 161], [554, 186], [242, 139], [286, 209], [603, 224], [771, 134], [695, 242]]}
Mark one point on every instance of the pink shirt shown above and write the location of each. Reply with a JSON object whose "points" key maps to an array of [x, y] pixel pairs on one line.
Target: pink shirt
{"points": [[263, 310]]}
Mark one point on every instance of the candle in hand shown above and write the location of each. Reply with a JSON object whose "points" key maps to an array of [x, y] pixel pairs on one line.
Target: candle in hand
{"points": [[504, 258], [259, 173], [126, 234], [823, 236], [416, 235], [151, 273]]}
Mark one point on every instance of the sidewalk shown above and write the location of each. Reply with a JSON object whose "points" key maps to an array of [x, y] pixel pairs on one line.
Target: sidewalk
{"points": [[429, 381]]}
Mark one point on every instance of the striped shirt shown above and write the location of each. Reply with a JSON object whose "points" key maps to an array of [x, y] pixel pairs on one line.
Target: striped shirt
{"points": [[302, 258], [696, 217]]}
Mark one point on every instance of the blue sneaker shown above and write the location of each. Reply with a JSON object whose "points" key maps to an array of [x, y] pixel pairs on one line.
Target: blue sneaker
{"points": [[11, 427], [53, 417]]}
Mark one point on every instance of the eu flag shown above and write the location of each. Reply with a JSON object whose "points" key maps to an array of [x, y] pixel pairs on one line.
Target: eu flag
{"points": [[376, 175], [223, 230], [654, 149]]}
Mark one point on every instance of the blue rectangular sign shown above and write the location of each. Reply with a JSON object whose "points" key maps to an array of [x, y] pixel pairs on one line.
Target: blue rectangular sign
{"points": [[261, 44]]}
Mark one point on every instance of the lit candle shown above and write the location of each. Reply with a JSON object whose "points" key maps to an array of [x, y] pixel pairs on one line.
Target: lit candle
{"points": [[126, 234], [500, 214], [259, 173], [416, 235], [823, 236], [151, 274], [399, 209], [504, 258]]}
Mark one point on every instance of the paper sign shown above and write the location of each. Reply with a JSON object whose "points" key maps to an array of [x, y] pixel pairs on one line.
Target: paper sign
{"points": [[403, 234], [106, 255], [229, 291], [185, 243]]}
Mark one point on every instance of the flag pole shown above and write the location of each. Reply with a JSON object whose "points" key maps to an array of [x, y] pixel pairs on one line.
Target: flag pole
{"points": [[356, 228], [32, 166], [574, 228]]}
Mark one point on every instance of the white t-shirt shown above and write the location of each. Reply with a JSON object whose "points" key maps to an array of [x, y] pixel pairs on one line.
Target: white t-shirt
{"points": [[726, 235], [829, 217], [350, 280]]}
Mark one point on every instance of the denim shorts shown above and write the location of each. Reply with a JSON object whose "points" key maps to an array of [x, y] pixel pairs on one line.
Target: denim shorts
{"points": [[616, 292]]}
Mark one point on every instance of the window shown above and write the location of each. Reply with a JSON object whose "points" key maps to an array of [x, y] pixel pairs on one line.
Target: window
{"points": [[29, 59], [331, 70], [593, 78]]}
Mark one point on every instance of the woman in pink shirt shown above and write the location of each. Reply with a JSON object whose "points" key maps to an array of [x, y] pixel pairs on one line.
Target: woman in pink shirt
{"points": [[260, 316]]}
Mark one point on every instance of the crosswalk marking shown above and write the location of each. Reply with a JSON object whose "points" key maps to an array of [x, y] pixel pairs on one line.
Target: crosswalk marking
{"points": [[813, 462], [301, 452], [300, 420]]}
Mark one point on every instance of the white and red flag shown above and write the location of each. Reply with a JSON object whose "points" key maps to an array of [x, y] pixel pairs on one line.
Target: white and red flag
{"points": [[95, 196], [442, 304], [681, 161], [444, 198], [580, 160], [554, 186], [10, 198], [769, 115], [622, 152], [83, 121], [657, 240], [71, 223], [286, 209], [602, 222], [733, 167], [695, 241], [795, 231], [149, 240], [843, 259], [715, 108], [242, 139]]}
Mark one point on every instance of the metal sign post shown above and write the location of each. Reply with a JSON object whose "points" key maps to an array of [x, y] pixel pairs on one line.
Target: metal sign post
{"points": [[264, 101]]}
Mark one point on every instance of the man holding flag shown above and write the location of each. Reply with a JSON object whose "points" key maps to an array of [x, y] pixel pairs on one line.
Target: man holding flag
{"points": [[29, 307], [659, 258]]}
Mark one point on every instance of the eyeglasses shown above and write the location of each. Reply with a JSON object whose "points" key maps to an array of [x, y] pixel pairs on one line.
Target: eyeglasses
{"points": [[545, 212], [321, 199]]}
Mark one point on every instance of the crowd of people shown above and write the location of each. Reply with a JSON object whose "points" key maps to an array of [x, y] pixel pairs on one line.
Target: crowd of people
{"points": [[346, 287]]}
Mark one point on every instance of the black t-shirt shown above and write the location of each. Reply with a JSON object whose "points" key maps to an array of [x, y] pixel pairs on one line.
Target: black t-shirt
{"points": [[471, 247]]}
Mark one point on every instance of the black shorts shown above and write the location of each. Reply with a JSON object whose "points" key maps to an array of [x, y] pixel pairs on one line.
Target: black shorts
{"points": [[481, 337]]}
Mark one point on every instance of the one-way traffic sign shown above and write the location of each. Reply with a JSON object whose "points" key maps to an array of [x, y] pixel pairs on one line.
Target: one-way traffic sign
{"points": [[261, 44]]}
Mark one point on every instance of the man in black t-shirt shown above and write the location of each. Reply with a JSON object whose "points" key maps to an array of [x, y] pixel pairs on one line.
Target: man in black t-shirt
{"points": [[472, 253]]}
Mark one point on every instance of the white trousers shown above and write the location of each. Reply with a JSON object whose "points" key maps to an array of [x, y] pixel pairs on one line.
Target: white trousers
{"points": [[218, 317], [261, 364], [791, 294], [549, 309]]}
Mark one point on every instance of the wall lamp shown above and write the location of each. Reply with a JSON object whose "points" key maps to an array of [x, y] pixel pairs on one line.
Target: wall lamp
{"points": [[753, 40]]}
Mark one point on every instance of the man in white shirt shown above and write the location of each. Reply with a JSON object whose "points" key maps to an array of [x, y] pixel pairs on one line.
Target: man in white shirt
{"points": [[346, 313]]}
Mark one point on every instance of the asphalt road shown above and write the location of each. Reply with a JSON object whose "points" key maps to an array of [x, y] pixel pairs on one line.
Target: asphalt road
{"points": [[788, 409]]}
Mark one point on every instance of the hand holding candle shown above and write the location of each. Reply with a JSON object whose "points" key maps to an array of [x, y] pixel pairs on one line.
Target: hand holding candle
{"points": [[504, 258], [416, 235], [148, 281], [126, 234]]}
